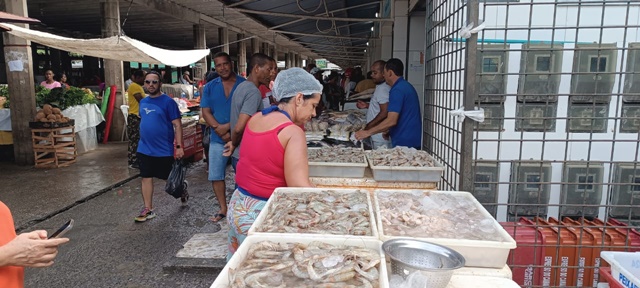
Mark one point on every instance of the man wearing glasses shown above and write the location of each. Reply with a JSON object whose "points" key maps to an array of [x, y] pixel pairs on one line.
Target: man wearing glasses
{"points": [[160, 116]]}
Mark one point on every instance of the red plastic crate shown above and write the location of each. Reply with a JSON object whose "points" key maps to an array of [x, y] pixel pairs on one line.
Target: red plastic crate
{"points": [[549, 247], [605, 276], [527, 259], [603, 239]]}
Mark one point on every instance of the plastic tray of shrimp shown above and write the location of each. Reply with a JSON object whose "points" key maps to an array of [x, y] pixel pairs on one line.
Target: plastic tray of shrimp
{"points": [[450, 218], [402, 164], [341, 163], [316, 211], [304, 261]]}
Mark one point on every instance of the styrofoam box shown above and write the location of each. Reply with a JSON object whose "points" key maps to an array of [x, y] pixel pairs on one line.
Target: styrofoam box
{"points": [[340, 170], [407, 173], [223, 278], [625, 267], [283, 190], [477, 253], [464, 281]]}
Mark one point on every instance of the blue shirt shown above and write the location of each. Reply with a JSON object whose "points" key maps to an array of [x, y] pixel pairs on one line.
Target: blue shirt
{"points": [[213, 98], [403, 99], [156, 129]]}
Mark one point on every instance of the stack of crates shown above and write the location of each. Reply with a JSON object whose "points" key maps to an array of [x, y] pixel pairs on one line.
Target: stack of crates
{"points": [[554, 253]]}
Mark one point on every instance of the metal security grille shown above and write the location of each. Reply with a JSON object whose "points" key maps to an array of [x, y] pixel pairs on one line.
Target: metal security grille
{"points": [[559, 82]]}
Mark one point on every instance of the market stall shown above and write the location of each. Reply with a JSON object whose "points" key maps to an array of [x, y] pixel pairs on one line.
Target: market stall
{"points": [[334, 233], [191, 129]]}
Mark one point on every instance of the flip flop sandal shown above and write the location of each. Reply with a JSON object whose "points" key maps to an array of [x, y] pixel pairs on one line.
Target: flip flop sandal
{"points": [[218, 216]]}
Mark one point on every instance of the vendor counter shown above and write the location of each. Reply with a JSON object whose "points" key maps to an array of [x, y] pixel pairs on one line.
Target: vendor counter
{"points": [[367, 182]]}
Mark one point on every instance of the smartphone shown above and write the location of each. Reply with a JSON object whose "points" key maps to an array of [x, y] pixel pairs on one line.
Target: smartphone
{"points": [[64, 229]]}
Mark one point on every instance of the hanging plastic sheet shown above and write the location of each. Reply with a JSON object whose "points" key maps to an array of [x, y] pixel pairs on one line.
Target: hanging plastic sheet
{"points": [[120, 48]]}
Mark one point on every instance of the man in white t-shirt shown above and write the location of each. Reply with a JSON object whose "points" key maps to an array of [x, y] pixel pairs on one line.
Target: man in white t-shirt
{"points": [[377, 107]]}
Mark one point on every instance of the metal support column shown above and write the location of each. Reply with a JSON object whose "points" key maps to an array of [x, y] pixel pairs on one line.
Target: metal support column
{"points": [[470, 94]]}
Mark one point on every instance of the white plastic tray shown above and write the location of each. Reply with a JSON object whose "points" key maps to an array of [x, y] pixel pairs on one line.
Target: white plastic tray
{"points": [[625, 267], [477, 253], [407, 173], [340, 170], [279, 191], [223, 278], [464, 281]]}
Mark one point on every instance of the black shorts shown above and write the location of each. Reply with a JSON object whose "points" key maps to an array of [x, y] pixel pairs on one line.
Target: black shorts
{"points": [[154, 167]]}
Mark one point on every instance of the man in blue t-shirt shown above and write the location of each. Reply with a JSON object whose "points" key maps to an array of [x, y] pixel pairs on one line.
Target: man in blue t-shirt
{"points": [[159, 117], [216, 110], [403, 120]]}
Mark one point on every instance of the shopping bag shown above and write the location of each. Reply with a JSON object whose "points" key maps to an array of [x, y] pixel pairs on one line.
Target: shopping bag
{"points": [[206, 136], [175, 183]]}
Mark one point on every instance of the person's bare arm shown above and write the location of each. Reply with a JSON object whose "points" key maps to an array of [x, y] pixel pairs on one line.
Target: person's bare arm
{"points": [[138, 97], [177, 126], [220, 129], [238, 130], [31, 249], [386, 124], [379, 118], [296, 165]]}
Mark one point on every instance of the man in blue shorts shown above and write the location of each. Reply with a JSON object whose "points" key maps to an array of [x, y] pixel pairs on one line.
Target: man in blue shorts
{"points": [[216, 110], [159, 117], [403, 121]]}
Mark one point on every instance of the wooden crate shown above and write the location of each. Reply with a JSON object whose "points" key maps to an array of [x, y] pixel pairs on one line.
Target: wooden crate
{"points": [[54, 147]]}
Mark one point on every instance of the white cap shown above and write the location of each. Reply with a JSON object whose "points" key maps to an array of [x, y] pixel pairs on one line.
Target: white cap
{"points": [[292, 81]]}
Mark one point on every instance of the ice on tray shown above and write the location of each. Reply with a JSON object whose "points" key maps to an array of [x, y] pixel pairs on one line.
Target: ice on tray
{"points": [[316, 264], [434, 215], [333, 155], [326, 212], [401, 156]]}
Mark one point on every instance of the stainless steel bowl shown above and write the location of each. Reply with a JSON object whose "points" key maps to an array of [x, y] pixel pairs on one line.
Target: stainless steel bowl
{"points": [[433, 261]]}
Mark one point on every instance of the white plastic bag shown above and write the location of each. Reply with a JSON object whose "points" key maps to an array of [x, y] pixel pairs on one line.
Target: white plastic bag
{"points": [[460, 114], [466, 31]]}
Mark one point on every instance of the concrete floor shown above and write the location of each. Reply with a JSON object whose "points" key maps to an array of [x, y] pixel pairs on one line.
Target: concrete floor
{"points": [[107, 249]]}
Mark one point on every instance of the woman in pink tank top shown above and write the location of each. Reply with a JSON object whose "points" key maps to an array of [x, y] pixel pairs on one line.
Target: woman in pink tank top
{"points": [[273, 152]]}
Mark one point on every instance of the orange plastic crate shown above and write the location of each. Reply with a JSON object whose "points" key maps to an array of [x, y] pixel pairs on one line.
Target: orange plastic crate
{"points": [[591, 247], [603, 242], [566, 255], [583, 253], [632, 235]]}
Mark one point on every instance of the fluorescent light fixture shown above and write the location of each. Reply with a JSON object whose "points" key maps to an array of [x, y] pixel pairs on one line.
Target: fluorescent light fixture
{"points": [[372, 28], [376, 14]]}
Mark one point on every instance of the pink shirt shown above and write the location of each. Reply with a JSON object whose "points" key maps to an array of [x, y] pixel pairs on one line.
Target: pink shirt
{"points": [[261, 166], [55, 84]]}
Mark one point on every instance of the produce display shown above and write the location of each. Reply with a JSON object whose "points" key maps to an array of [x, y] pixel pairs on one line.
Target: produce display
{"points": [[50, 114], [64, 98], [401, 156], [316, 264], [333, 155], [434, 215], [325, 212]]}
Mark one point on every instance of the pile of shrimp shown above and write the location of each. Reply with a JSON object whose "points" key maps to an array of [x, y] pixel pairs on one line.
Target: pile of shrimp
{"points": [[316, 264], [326, 212]]}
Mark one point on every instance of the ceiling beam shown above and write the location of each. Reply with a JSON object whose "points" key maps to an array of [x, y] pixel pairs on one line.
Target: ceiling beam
{"points": [[240, 3], [328, 18], [332, 11], [320, 35], [172, 9], [331, 45]]}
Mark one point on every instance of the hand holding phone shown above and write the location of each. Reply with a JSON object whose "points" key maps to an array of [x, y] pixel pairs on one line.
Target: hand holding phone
{"points": [[64, 229]]}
